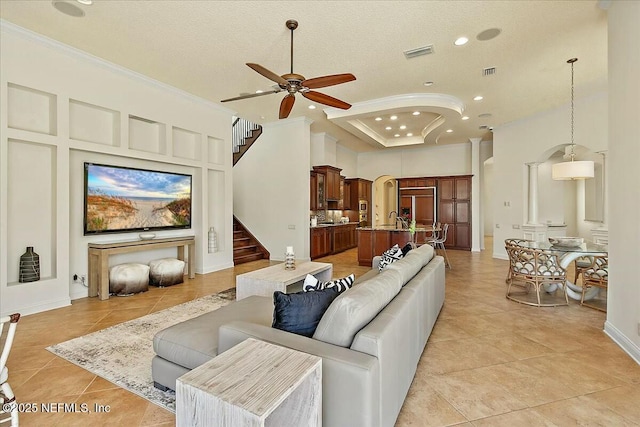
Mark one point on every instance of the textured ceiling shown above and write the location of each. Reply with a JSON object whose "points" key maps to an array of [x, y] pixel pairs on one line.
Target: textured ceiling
{"points": [[202, 47]]}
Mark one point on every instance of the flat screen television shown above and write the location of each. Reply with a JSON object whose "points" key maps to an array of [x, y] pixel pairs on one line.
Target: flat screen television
{"points": [[120, 199]]}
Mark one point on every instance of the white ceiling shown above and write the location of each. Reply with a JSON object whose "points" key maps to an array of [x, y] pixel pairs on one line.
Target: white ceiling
{"points": [[202, 47]]}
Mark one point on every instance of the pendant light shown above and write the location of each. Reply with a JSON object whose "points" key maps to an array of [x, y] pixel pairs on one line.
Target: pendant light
{"points": [[572, 169]]}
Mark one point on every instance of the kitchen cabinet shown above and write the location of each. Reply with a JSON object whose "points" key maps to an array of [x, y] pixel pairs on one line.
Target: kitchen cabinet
{"points": [[332, 181], [454, 208], [346, 195], [320, 191], [321, 238], [313, 191], [372, 242]]}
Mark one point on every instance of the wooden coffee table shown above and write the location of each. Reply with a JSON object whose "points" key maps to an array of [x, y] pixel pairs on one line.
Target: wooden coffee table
{"points": [[254, 384], [266, 281]]}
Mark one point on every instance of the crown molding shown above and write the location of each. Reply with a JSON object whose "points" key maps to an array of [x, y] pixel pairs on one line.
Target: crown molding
{"points": [[7, 27]]}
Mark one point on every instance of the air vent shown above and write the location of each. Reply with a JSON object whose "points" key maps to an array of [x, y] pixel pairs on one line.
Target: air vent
{"points": [[424, 50], [489, 71], [483, 127]]}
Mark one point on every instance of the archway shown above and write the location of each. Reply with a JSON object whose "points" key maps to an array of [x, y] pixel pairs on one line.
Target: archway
{"points": [[385, 193]]}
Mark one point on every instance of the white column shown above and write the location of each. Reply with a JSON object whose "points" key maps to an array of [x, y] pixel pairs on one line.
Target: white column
{"points": [[532, 217], [476, 235]]}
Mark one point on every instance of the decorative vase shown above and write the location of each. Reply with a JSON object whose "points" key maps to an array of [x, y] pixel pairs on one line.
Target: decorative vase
{"points": [[289, 259], [29, 266], [213, 240]]}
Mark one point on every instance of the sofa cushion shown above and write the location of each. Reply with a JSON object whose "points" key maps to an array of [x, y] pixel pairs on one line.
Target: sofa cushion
{"points": [[411, 264], [366, 276], [195, 341], [354, 308], [311, 283], [300, 312]]}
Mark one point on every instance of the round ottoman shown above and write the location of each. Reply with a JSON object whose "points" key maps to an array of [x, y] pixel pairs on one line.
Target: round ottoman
{"points": [[127, 279], [166, 272]]}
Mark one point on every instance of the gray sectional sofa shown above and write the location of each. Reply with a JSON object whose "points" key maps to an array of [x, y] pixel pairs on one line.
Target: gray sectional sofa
{"points": [[370, 339]]}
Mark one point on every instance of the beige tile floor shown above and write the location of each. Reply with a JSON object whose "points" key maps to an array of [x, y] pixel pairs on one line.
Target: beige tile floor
{"points": [[489, 361]]}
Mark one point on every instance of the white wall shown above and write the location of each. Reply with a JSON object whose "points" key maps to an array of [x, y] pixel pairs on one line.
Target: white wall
{"points": [[271, 187], [533, 139], [347, 160], [323, 150], [487, 198], [623, 309], [44, 142]]}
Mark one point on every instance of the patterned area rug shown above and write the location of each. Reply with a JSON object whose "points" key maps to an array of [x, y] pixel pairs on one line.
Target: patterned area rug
{"points": [[122, 353]]}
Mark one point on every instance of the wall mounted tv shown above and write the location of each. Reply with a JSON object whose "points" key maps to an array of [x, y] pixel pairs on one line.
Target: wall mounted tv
{"points": [[120, 199]]}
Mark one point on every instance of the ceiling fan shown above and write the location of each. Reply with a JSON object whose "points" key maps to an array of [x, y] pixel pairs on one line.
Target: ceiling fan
{"points": [[296, 83]]}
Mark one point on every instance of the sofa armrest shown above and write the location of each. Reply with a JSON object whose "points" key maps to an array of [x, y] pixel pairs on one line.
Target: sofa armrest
{"points": [[350, 379], [376, 261]]}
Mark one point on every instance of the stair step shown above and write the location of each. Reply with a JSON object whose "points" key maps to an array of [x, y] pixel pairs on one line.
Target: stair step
{"points": [[241, 241], [245, 250], [247, 258]]}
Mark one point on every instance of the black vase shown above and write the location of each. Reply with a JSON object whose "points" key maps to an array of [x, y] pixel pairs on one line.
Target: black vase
{"points": [[29, 266]]}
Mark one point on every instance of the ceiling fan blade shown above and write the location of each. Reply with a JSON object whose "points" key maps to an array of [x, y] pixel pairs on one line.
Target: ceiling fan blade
{"points": [[286, 105], [324, 81], [268, 74], [251, 95], [325, 99]]}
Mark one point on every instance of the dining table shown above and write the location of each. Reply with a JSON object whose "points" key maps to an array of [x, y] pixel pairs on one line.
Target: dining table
{"points": [[566, 255]]}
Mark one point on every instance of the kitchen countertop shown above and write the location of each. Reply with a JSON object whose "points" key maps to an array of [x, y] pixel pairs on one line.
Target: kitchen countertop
{"points": [[389, 228], [335, 224]]}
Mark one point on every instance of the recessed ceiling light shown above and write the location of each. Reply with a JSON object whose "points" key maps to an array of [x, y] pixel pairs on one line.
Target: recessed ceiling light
{"points": [[449, 130], [396, 135], [259, 91], [416, 113], [465, 117], [388, 128], [461, 41], [429, 83], [478, 98], [488, 34], [378, 119], [68, 9], [312, 107], [403, 127], [394, 117], [409, 134], [85, 2]]}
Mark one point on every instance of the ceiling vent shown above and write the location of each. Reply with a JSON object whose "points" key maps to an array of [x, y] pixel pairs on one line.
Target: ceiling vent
{"points": [[424, 50], [489, 71], [483, 127]]}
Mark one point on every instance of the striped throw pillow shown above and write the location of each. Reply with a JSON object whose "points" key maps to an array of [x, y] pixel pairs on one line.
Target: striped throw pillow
{"points": [[390, 255], [341, 285]]}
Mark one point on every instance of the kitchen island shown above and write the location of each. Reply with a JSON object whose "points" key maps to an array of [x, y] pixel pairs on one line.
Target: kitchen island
{"points": [[373, 241], [328, 239]]}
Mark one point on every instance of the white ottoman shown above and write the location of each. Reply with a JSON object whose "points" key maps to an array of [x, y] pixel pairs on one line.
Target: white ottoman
{"points": [[126, 279], [166, 272]]}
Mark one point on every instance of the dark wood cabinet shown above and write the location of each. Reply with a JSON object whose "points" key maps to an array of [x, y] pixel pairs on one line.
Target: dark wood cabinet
{"points": [[313, 191], [332, 181], [320, 242], [454, 208], [321, 199], [346, 195], [373, 243]]}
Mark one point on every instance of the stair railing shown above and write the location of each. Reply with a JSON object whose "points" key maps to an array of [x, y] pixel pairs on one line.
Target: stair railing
{"points": [[240, 131]]}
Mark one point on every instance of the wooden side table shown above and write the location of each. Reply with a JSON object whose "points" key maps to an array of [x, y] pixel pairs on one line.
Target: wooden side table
{"points": [[252, 384]]}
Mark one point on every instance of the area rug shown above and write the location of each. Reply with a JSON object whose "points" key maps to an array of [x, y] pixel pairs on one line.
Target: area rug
{"points": [[122, 353]]}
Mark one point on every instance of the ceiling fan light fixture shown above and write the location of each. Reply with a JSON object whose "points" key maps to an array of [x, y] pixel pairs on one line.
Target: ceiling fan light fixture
{"points": [[571, 170]]}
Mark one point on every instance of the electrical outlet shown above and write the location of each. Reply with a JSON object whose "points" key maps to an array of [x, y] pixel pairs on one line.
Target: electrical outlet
{"points": [[497, 225], [516, 226], [292, 226]]}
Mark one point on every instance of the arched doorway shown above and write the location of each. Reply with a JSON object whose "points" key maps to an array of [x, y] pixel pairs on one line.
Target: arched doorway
{"points": [[385, 199]]}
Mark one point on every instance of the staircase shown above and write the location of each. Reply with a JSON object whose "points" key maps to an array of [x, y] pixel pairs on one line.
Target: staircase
{"points": [[246, 247], [243, 134]]}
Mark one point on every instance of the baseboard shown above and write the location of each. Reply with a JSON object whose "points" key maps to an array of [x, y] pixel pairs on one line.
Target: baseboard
{"points": [[39, 308], [625, 343], [501, 256], [216, 267], [79, 294]]}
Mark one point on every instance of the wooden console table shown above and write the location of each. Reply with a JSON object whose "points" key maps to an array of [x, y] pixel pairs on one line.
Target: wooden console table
{"points": [[254, 384], [99, 258]]}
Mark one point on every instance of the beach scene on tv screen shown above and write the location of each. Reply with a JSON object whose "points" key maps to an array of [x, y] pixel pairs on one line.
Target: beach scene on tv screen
{"points": [[122, 199]]}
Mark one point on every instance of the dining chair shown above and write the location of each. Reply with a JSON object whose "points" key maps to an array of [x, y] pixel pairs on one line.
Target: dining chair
{"points": [[536, 274], [7, 398], [438, 243], [580, 265], [597, 274]]}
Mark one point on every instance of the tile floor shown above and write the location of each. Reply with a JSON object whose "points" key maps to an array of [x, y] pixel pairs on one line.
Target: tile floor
{"points": [[489, 361]]}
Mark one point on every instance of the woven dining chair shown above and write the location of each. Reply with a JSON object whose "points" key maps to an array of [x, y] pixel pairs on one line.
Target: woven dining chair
{"points": [[596, 275], [7, 398]]}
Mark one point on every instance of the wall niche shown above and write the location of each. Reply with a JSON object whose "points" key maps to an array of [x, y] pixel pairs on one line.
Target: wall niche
{"points": [[31, 110], [91, 123]]}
